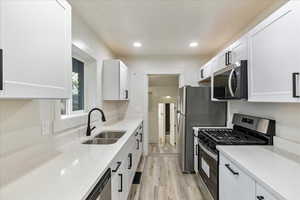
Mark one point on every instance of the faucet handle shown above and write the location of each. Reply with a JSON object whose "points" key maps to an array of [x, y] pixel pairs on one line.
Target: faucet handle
{"points": [[93, 128]]}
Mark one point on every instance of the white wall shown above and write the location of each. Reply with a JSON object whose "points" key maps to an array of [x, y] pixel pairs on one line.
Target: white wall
{"points": [[186, 66], [21, 120], [287, 116]]}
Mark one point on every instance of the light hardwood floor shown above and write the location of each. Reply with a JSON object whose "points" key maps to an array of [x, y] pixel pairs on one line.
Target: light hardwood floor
{"points": [[155, 148], [162, 180]]}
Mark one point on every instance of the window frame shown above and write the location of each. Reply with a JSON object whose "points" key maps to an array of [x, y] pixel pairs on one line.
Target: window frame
{"points": [[69, 102]]}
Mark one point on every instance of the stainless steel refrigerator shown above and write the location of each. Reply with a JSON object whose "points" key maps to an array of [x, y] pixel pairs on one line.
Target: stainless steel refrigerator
{"points": [[195, 109]]}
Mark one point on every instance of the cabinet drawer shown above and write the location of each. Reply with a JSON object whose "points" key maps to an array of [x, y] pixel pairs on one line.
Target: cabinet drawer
{"points": [[263, 194]]}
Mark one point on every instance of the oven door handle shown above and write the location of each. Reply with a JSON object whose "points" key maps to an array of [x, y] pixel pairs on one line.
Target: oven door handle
{"points": [[229, 82], [212, 155]]}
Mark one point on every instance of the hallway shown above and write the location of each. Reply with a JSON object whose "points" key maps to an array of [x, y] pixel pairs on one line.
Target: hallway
{"points": [[163, 180]]}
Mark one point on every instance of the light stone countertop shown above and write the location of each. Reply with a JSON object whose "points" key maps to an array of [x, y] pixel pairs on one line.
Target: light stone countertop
{"points": [[72, 173], [276, 170]]}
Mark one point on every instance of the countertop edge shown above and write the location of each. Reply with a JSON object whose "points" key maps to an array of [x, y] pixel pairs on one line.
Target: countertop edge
{"points": [[251, 174]]}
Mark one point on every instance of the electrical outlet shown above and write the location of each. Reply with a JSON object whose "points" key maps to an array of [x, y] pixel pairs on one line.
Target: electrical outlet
{"points": [[46, 127]]}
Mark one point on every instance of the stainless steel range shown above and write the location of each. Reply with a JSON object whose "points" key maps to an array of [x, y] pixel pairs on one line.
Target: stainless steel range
{"points": [[247, 130]]}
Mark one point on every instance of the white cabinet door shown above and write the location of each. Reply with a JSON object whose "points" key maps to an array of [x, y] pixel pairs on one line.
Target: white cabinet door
{"points": [[234, 184], [115, 184], [274, 47], [1, 51], [239, 50], [221, 60], [123, 81], [36, 42], [205, 71], [263, 194], [115, 80]]}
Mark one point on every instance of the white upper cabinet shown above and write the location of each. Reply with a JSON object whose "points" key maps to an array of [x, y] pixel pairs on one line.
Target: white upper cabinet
{"points": [[115, 80], [221, 61], [239, 50], [36, 42], [274, 61], [205, 72]]}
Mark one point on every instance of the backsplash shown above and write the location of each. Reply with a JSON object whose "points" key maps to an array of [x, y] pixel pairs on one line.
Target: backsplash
{"points": [[287, 116], [20, 123]]}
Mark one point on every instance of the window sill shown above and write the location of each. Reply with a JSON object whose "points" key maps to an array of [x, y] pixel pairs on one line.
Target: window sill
{"points": [[75, 115]]}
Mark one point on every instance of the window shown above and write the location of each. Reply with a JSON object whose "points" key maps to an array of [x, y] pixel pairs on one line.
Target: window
{"points": [[76, 104]]}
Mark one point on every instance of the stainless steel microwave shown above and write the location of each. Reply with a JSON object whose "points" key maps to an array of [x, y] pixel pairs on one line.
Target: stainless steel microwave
{"points": [[231, 82]]}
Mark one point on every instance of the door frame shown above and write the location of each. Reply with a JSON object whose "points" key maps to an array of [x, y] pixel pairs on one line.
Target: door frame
{"points": [[146, 103]]}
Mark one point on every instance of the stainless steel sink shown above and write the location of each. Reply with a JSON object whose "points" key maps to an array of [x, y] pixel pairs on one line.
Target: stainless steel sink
{"points": [[106, 137], [101, 141], [110, 134]]}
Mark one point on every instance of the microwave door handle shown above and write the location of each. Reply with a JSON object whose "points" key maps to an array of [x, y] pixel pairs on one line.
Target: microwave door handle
{"points": [[230, 84]]}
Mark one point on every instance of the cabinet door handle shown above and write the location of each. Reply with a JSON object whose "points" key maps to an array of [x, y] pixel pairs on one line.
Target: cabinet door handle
{"points": [[1, 69], [226, 58], [260, 197], [141, 137], [118, 166], [138, 144], [121, 183], [231, 170], [130, 160], [295, 87]]}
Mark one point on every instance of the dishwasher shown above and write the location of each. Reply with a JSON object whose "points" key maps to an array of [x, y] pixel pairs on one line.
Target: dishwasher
{"points": [[102, 190]]}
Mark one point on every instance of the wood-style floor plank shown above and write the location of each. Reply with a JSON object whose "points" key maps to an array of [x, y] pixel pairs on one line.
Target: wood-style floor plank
{"points": [[163, 180]]}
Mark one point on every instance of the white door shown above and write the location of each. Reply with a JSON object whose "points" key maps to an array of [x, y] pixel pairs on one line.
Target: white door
{"points": [[162, 123], [172, 124], [274, 47], [36, 42]]}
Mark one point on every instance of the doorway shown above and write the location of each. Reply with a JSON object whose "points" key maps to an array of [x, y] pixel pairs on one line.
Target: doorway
{"points": [[166, 124], [163, 93]]}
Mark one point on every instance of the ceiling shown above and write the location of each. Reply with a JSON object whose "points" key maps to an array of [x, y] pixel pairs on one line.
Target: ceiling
{"points": [[166, 27], [163, 80]]}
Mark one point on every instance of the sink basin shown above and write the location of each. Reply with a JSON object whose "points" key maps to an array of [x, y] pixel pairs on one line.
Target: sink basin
{"points": [[101, 141], [110, 134]]}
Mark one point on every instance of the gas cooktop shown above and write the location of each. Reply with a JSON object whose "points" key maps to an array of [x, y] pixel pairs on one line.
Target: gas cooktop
{"points": [[230, 136]]}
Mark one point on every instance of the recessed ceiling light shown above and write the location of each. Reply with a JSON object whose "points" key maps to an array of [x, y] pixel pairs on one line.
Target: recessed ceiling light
{"points": [[193, 44], [137, 44]]}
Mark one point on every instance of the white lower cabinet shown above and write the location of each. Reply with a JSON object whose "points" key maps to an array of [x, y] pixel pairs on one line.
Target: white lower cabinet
{"points": [[234, 184], [125, 165], [263, 194]]}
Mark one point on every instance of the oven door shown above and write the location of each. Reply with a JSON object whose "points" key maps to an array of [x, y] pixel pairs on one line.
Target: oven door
{"points": [[208, 169], [231, 83]]}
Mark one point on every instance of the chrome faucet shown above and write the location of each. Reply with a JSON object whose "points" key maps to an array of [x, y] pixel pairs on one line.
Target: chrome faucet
{"points": [[89, 129]]}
